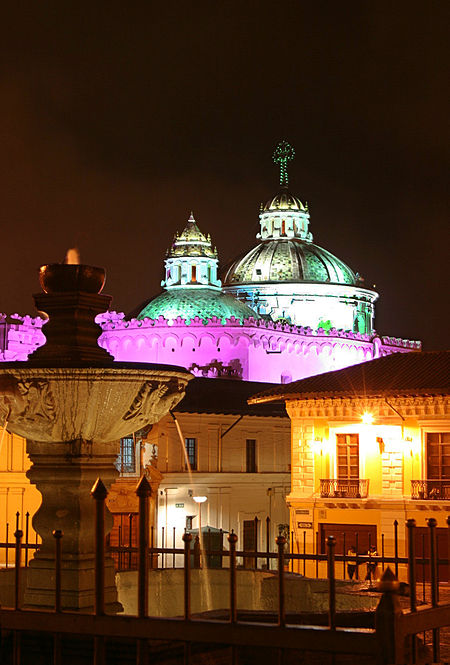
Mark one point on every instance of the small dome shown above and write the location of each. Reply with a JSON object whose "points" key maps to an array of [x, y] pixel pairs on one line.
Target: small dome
{"points": [[290, 260], [284, 200], [191, 302], [192, 242]]}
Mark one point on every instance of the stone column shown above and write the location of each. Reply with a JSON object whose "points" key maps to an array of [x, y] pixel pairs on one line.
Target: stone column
{"points": [[64, 473]]}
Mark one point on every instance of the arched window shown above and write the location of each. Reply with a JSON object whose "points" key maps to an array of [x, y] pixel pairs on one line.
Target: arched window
{"points": [[194, 273]]}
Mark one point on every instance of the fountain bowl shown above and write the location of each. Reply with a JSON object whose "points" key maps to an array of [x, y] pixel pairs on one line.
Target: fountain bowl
{"points": [[64, 278]]}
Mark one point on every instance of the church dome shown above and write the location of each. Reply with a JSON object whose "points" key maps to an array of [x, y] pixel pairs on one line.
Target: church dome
{"points": [[284, 200], [288, 260], [191, 302]]}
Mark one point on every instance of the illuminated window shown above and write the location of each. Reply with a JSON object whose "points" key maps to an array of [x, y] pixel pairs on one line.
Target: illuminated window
{"points": [[250, 463], [194, 274], [438, 455], [191, 452], [347, 449], [127, 463]]}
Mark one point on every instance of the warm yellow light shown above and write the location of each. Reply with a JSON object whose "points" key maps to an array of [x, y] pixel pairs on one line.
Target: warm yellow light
{"points": [[367, 418], [199, 499]]}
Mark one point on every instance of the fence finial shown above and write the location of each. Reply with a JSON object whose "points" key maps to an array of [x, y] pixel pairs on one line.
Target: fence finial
{"points": [[388, 582], [143, 487], [99, 491]]}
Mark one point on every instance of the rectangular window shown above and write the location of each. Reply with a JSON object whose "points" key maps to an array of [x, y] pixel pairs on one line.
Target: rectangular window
{"points": [[127, 455], [347, 449], [438, 455], [191, 452], [250, 464]]}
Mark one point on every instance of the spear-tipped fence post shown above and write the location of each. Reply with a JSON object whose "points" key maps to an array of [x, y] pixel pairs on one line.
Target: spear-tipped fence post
{"points": [[7, 544], [281, 542], [396, 547], [232, 539], [187, 539], [331, 544], [388, 621], [143, 491], [411, 527], [99, 494], [434, 584], [57, 535], [27, 527], [18, 536]]}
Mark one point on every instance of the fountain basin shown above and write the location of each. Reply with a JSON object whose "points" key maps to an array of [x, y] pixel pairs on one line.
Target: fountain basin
{"points": [[102, 404], [73, 419]]}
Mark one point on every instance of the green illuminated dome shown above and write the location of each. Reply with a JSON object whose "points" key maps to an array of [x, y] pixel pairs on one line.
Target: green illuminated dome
{"points": [[190, 302], [288, 260]]}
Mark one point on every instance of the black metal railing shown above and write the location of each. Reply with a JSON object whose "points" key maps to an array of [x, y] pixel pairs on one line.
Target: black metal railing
{"points": [[430, 489], [394, 628], [352, 488]]}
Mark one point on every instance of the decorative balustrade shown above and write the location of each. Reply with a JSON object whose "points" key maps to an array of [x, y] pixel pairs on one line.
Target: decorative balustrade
{"points": [[351, 488], [430, 489]]}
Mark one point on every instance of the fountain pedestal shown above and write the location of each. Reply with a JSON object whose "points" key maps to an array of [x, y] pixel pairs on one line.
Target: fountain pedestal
{"points": [[73, 404], [64, 473]]}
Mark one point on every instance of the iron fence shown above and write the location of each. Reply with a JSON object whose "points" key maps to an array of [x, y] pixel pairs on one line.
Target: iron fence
{"points": [[392, 641]]}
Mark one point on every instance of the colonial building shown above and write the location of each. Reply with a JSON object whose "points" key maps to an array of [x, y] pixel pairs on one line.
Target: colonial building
{"points": [[370, 445], [216, 446]]}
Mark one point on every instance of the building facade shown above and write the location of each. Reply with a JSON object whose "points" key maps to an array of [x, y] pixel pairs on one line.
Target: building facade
{"points": [[371, 445]]}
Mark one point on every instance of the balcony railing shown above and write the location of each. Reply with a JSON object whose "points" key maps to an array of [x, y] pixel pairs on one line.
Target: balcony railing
{"points": [[430, 489], [349, 488]]}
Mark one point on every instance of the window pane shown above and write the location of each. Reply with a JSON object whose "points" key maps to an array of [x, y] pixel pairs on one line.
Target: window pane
{"points": [[127, 455], [191, 452], [251, 456]]}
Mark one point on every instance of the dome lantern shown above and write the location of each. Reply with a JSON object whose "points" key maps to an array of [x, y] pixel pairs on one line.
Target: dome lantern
{"points": [[191, 260], [284, 215]]}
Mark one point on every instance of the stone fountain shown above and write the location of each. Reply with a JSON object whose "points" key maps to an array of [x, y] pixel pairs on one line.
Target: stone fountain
{"points": [[73, 403]]}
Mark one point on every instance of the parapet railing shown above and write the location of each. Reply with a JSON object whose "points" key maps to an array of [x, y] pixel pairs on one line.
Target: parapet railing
{"points": [[392, 641], [430, 489]]}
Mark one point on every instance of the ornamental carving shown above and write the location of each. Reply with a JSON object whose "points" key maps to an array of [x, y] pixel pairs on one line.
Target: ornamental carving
{"points": [[153, 399], [27, 401]]}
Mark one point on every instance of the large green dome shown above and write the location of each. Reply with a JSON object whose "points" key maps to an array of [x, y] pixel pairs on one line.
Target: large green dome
{"points": [[288, 260], [196, 301]]}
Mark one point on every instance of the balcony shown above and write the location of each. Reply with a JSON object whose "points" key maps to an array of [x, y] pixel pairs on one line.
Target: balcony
{"points": [[431, 489], [347, 488]]}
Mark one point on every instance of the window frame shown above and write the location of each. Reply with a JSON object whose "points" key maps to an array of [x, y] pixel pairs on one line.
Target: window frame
{"points": [[191, 454], [251, 465]]}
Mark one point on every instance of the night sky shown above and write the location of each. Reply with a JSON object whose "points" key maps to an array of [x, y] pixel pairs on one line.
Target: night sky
{"points": [[117, 119]]}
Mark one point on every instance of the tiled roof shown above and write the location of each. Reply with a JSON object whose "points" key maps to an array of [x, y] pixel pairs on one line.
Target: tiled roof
{"points": [[425, 373], [227, 396]]}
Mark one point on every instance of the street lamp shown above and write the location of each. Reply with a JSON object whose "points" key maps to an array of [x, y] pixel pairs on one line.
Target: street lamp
{"points": [[200, 500]]}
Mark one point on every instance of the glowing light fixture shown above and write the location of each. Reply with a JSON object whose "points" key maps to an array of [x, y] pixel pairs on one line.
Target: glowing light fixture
{"points": [[367, 418], [200, 499]]}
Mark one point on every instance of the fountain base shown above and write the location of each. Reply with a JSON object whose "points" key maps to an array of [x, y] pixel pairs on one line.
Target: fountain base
{"points": [[64, 473]]}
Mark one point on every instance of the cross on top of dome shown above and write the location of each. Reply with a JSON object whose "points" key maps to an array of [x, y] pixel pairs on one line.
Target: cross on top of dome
{"points": [[283, 154]]}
